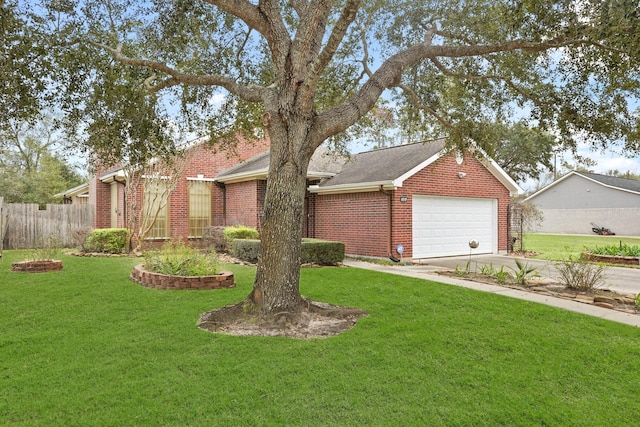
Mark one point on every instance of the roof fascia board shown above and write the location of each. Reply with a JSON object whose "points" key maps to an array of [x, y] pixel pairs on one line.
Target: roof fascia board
{"points": [[117, 175], [353, 188], [241, 177], [400, 180], [499, 173], [262, 174], [607, 185], [200, 178], [75, 191]]}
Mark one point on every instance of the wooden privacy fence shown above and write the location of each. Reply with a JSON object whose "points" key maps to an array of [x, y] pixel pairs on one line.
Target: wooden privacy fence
{"points": [[25, 226]]}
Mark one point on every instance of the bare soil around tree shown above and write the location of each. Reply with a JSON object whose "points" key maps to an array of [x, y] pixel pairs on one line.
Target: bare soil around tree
{"points": [[314, 320]]}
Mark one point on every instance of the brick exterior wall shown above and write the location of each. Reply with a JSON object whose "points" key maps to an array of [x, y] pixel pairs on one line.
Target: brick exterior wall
{"points": [[361, 220], [242, 204], [368, 223], [206, 162], [100, 198]]}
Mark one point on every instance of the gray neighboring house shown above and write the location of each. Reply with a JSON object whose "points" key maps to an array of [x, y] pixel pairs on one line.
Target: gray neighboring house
{"points": [[574, 201]]}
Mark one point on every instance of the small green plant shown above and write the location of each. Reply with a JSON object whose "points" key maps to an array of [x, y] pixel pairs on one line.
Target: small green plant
{"points": [[522, 272], [638, 300], [177, 259], [502, 276], [487, 270], [462, 272], [622, 249], [576, 273], [240, 232]]}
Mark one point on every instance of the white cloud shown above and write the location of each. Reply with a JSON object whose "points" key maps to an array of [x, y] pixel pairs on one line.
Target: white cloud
{"points": [[610, 159]]}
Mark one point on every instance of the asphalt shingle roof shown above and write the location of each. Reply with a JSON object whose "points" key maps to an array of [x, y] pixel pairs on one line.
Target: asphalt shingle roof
{"points": [[614, 181], [385, 164], [323, 161]]}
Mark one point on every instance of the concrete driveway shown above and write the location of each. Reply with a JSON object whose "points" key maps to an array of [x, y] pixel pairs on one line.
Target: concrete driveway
{"points": [[621, 279]]}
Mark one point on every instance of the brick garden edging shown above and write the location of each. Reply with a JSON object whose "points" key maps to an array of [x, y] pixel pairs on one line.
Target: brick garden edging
{"points": [[612, 259], [39, 266], [165, 281]]}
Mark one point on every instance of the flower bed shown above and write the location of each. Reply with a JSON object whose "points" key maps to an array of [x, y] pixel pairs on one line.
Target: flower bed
{"points": [[38, 266], [612, 259], [163, 281]]}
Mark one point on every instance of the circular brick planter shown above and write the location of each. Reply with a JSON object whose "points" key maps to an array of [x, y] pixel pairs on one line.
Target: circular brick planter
{"points": [[164, 281], [39, 266], [612, 259]]}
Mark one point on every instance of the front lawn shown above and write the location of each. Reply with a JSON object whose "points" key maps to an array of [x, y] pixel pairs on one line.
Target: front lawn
{"points": [[86, 346], [557, 247]]}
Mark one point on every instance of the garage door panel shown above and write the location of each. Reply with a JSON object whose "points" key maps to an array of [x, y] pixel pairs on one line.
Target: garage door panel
{"points": [[443, 226]]}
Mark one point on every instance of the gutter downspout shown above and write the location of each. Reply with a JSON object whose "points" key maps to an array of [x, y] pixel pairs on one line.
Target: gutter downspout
{"points": [[223, 187], [389, 195]]}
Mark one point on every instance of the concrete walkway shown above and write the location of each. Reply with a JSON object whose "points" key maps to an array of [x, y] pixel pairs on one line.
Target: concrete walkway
{"points": [[428, 271]]}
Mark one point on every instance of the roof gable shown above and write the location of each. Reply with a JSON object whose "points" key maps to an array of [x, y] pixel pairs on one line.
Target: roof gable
{"points": [[390, 167], [387, 164], [613, 182]]}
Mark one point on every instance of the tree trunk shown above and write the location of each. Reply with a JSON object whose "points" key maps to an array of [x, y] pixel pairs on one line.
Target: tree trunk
{"points": [[276, 287]]}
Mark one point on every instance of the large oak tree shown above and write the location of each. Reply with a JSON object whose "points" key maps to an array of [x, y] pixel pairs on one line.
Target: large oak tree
{"points": [[308, 71]]}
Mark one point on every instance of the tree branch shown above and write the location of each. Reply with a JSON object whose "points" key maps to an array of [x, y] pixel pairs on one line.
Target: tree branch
{"points": [[347, 17], [244, 10], [365, 50], [299, 6], [415, 101], [266, 19], [339, 118], [275, 33], [250, 93], [309, 35], [446, 71]]}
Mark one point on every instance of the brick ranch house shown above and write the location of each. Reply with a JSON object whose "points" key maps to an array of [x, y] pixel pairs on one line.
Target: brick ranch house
{"points": [[418, 196]]}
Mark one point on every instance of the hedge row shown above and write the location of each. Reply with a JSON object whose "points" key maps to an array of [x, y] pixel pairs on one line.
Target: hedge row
{"points": [[314, 251], [219, 238]]}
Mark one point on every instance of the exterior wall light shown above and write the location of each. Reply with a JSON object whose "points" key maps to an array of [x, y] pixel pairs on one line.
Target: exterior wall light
{"points": [[461, 175]]}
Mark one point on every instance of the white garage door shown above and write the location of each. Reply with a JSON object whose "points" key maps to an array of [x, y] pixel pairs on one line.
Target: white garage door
{"points": [[443, 226]]}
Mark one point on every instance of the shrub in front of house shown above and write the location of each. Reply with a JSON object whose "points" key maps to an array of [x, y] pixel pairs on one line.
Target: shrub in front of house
{"points": [[322, 252], [247, 250], [177, 259], [107, 240], [313, 251], [240, 232], [579, 274], [213, 238]]}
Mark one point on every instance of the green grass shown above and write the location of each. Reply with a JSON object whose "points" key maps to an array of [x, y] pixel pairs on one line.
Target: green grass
{"points": [[85, 346], [557, 247]]}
